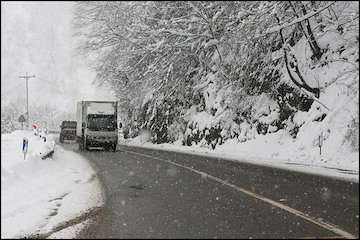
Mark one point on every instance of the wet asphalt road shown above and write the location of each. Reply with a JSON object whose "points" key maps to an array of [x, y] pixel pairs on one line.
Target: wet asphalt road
{"points": [[149, 198]]}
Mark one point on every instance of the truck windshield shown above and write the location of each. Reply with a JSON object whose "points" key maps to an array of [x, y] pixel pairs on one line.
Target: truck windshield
{"points": [[68, 124], [98, 122]]}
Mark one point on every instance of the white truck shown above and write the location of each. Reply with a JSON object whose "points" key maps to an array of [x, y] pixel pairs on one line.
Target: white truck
{"points": [[97, 124]]}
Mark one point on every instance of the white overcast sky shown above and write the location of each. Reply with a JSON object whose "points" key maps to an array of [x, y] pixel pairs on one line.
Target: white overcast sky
{"points": [[36, 37]]}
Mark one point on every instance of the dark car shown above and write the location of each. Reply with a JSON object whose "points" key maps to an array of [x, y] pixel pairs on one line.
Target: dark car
{"points": [[68, 131]]}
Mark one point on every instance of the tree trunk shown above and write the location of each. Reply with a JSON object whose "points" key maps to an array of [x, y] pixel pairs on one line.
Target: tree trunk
{"points": [[315, 47], [303, 84]]}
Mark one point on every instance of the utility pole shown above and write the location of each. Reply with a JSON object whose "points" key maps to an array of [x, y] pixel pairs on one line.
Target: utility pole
{"points": [[27, 96]]}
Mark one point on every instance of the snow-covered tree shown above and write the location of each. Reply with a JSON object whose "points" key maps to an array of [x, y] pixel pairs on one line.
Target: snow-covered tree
{"points": [[166, 59]]}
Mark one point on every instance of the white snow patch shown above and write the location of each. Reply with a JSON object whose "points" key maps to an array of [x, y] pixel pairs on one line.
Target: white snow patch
{"points": [[36, 194], [70, 232]]}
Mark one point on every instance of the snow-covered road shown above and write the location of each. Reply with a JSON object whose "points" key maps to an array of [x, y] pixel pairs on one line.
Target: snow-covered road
{"points": [[38, 196]]}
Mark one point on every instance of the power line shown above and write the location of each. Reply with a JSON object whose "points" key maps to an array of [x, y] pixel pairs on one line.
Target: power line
{"points": [[27, 95]]}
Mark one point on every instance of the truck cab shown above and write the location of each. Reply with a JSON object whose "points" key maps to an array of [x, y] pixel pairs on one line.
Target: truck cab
{"points": [[67, 131]]}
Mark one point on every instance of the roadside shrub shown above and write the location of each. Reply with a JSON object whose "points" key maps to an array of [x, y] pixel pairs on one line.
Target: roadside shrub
{"points": [[352, 134]]}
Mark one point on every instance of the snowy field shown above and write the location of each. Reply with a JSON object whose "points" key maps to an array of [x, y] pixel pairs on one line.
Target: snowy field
{"points": [[38, 195], [275, 150]]}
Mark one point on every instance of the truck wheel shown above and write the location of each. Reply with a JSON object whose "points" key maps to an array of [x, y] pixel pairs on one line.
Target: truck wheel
{"points": [[81, 145], [106, 147], [85, 145], [113, 147]]}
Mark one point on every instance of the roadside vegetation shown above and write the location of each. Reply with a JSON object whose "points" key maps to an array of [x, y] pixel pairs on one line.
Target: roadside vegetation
{"points": [[206, 72]]}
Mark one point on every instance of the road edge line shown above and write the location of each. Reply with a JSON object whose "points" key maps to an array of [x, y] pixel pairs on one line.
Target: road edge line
{"points": [[280, 166], [331, 227]]}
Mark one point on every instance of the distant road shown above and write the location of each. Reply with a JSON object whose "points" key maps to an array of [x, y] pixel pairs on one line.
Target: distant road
{"points": [[162, 194]]}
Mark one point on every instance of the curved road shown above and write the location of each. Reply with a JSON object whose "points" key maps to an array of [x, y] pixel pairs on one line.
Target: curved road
{"points": [[161, 194]]}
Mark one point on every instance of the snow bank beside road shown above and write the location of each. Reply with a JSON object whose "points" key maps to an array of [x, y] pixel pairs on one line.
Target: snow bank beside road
{"points": [[275, 150], [37, 195]]}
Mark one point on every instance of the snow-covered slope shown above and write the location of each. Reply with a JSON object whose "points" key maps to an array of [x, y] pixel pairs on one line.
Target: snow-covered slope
{"points": [[323, 134], [39, 194]]}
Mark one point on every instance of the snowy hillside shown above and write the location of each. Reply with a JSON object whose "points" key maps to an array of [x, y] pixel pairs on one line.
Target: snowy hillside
{"points": [[274, 79]]}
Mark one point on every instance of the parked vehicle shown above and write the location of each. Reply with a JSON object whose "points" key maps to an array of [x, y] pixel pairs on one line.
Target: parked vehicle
{"points": [[97, 124], [67, 131]]}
